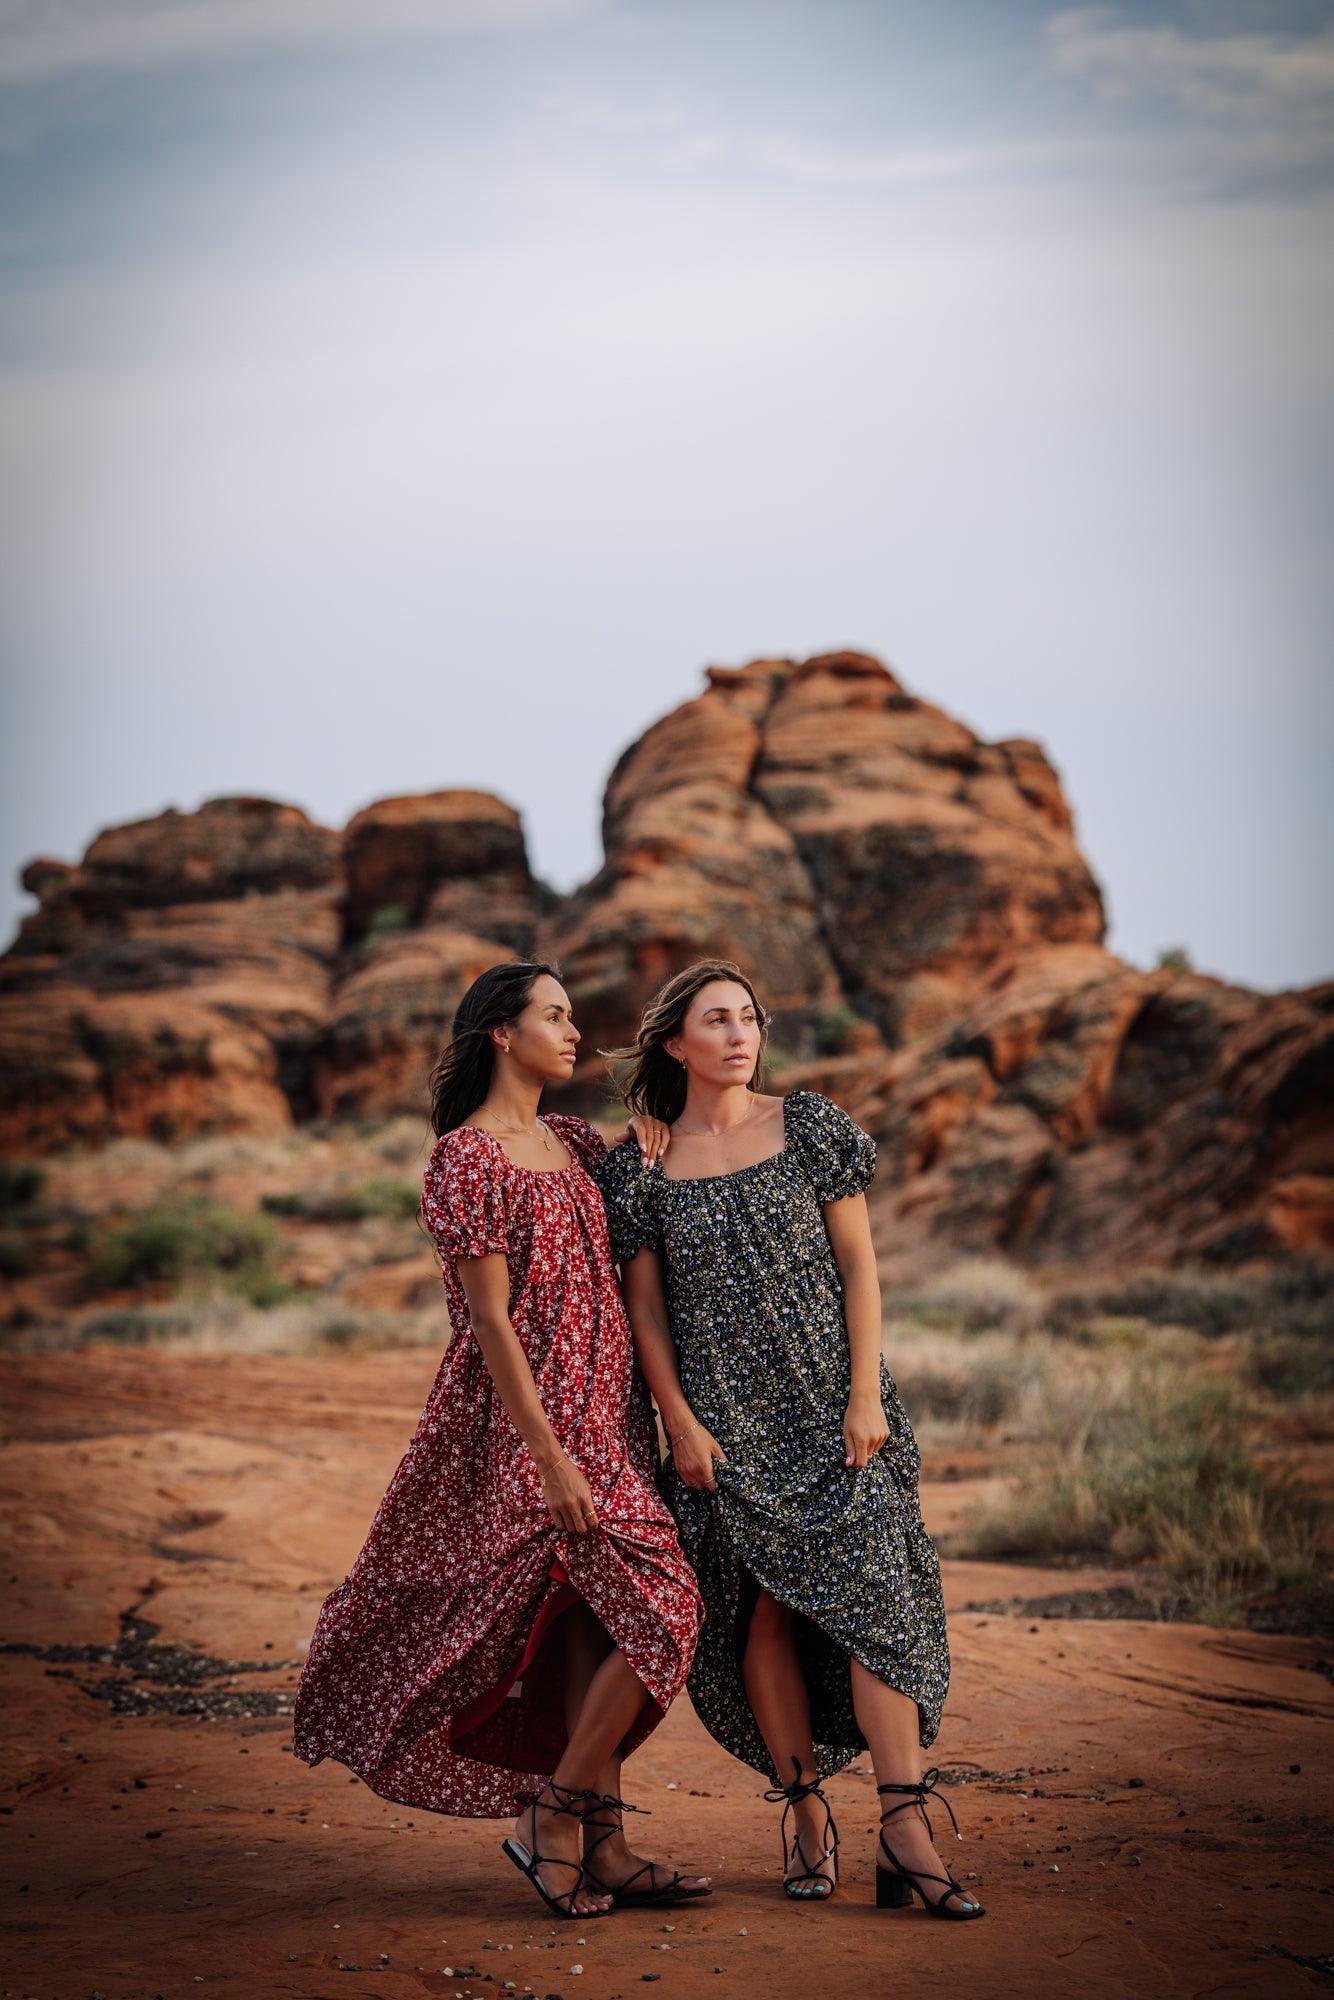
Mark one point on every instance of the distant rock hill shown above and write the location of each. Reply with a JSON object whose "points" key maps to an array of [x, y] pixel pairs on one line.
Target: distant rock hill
{"points": [[910, 899]]}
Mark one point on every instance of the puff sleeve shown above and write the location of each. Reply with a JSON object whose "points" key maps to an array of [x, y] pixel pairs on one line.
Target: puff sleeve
{"points": [[463, 1195], [836, 1156], [623, 1180]]}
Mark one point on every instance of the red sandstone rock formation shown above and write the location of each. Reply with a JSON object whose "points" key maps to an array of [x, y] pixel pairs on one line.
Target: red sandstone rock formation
{"points": [[911, 899], [239, 967]]}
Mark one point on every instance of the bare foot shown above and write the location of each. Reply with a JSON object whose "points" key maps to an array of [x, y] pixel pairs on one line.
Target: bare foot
{"points": [[556, 1835]]}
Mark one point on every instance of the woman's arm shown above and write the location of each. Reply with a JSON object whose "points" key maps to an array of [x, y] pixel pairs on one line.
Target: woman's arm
{"points": [[849, 1227], [693, 1449], [567, 1493]]}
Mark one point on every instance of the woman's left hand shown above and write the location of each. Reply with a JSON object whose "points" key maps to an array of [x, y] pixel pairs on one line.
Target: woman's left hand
{"points": [[654, 1137], [864, 1430]]}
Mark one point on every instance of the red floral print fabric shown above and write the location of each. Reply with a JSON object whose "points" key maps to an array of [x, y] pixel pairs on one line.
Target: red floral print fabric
{"points": [[434, 1672]]}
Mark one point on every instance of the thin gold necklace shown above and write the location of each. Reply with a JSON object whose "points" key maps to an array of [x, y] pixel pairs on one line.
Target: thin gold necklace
{"points": [[519, 1131], [704, 1132]]}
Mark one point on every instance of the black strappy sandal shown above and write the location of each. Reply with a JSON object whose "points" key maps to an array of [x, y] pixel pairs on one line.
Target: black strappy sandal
{"points": [[894, 1885], [528, 1864], [627, 1896], [794, 1794]]}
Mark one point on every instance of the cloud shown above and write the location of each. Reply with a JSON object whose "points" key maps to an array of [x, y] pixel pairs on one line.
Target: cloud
{"points": [[43, 42], [1260, 75], [1253, 108], [905, 166]]}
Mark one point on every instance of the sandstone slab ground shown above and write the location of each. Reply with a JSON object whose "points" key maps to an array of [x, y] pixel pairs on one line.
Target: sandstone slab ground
{"points": [[1146, 1807]]}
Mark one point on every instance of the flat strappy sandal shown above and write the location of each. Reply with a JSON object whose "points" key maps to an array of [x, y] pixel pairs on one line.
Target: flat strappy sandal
{"points": [[627, 1896], [528, 1864], [794, 1794]]}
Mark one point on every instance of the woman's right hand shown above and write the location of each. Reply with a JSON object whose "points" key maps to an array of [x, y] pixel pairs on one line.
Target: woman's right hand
{"points": [[693, 1454], [568, 1495]]}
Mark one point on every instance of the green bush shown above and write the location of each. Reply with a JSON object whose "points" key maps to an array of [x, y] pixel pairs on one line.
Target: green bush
{"points": [[381, 1195], [178, 1244], [386, 921]]}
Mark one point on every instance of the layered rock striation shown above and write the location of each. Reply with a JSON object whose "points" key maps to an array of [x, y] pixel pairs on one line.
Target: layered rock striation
{"points": [[911, 900]]}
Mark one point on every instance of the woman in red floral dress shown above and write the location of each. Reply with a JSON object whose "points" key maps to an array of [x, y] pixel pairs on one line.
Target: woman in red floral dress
{"points": [[521, 1614]]}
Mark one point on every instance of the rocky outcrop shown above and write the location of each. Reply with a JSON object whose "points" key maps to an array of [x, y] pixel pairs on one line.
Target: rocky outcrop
{"points": [[816, 821], [1084, 1113], [451, 859], [696, 866], [240, 967], [910, 899]]}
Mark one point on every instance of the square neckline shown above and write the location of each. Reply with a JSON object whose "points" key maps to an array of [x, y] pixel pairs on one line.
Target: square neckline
{"points": [[702, 1180], [538, 1173]]}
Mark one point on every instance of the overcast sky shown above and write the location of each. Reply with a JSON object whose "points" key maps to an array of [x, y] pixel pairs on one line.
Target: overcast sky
{"points": [[416, 394]]}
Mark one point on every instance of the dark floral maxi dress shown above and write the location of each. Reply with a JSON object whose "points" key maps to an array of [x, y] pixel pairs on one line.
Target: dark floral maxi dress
{"points": [[755, 1303], [433, 1672]]}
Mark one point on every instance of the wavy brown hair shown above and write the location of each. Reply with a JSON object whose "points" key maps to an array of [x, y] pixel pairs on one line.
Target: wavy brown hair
{"points": [[654, 1083]]}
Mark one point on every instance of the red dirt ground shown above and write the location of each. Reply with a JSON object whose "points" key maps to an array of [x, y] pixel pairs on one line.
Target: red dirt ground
{"points": [[1126, 1790]]}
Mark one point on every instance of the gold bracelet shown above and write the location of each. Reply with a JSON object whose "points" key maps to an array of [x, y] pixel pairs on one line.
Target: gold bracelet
{"points": [[693, 1425]]}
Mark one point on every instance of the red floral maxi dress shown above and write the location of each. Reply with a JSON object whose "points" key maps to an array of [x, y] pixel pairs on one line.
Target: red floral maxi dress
{"points": [[433, 1672]]}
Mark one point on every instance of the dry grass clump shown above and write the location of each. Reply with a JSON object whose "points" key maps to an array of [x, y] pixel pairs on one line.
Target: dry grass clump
{"points": [[1294, 1298], [972, 1296], [1152, 1463], [221, 1322], [955, 1389]]}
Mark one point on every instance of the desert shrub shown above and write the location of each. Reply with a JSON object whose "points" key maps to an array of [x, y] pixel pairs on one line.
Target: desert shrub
{"points": [[139, 1326], [1298, 1298], [21, 1181], [1158, 1469], [389, 919], [181, 1244], [972, 1296], [1207, 1304], [383, 1194], [975, 1393], [833, 1029], [1291, 1367], [1293, 1297], [16, 1255]]}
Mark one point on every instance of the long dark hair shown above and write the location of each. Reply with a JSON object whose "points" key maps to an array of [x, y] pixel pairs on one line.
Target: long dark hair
{"points": [[462, 1076], [655, 1082]]}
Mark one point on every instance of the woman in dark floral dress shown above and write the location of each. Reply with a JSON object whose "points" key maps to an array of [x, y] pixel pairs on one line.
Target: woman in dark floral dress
{"points": [[752, 1290], [521, 1614]]}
